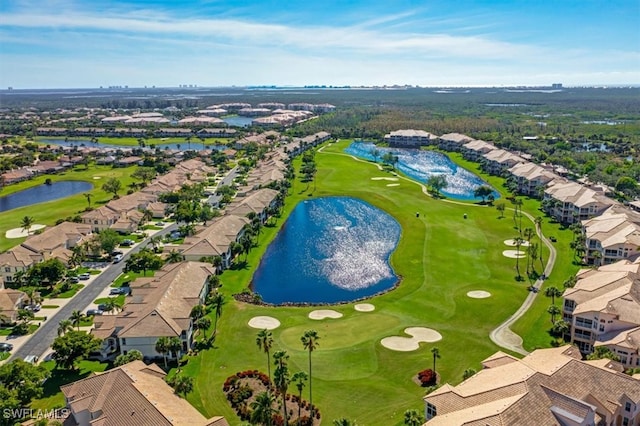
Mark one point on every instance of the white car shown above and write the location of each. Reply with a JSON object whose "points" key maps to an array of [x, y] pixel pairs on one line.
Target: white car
{"points": [[117, 258]]}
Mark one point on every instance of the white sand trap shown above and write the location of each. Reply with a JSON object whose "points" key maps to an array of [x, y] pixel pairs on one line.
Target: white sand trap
{"points": [[264, 322], [407, 344], [97, 177], [514, 254], [384, 178], [512, 243], [20, 233], [393, 184], [364, 307], [321, 314], [479, 294]]}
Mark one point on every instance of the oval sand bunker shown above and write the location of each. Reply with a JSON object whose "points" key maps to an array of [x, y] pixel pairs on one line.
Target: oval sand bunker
{"points": [[364, 307], [479, 294], [263, 322], [407, 344], [321, 314]]}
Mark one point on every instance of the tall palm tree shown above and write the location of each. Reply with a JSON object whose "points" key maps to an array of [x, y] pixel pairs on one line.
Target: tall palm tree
{"points": [[299, 378], [174, 257], [26, 223], [203, 324], [310, 343], [281, 379], [552, 292], [264, 340], [518, 240], [64, 326], [553, 310], [175, 346], [182, 384], [76, 318], [88, 196], [217, 302], [162, 347], [262, 408], [436, 354]]}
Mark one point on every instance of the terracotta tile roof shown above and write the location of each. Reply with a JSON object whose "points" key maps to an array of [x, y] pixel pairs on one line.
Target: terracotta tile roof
{"points": [[131, 395]]}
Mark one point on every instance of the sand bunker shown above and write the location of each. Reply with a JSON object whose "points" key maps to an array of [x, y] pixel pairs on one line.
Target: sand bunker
{"points": [[384, 178], [512, 243], [393, 184], [97, 177], [364, 307], [479, 294], [264, 322], [407, 344], [321, 314], [20, 233], [514, 254]]}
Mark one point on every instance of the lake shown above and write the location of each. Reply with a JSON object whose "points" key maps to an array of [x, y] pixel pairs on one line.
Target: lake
{"points": [[420, 165], [43, 193], [330, 250]]}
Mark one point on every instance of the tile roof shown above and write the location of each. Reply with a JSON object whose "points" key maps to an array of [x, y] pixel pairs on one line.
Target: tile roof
{"points": [[131, 395]]}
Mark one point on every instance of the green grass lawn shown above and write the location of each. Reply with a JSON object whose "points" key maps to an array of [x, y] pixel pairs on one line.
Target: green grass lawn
{"points": [[48, 213], [101, 300], [4, 355], [52, 396], [70, 293], [128, 277], [440, 257]]}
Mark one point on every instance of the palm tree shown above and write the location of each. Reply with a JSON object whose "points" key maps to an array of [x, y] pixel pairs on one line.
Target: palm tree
{"points": [[264, 340], [263, 409], [217, 262], [217, 302], [174, 257], [197, 312], [175, 346], [155, 242], [76, 318], [532, 250], [281, 379], [413, 418], [64, 326], [436, 354], [518, 242], [560, 328], [162, 347], [203, 324], [182, 384], [26, 223], [554, 310], [300, 378], [310, 343], [88, 196], [552, 292]]}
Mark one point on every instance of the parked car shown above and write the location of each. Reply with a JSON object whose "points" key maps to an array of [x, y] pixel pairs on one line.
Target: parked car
{"points": [[119, 290], [74, 279], [31, 359], [117, 258], [102, 307], [6, 347], [159, 223], [116, 252], [92, 312], [84, 276], [127, 243], [32, 308]]}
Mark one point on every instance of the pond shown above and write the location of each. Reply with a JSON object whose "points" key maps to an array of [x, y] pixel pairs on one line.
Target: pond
{"points": [[43, 193], [330, 250], [420, 165], [238, 120]]}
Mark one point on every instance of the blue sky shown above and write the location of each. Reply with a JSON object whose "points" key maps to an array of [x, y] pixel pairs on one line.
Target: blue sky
{"points": [[67, 43]]}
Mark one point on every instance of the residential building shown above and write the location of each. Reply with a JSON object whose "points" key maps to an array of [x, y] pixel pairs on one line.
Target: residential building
{"points": [[531, 179], [547, 387], [453, 141], [10, 302], [603, 305], [158, 306], [475, 149], [259, 202], [134, 394], [612, 236], [409, 138], [215, 239], [499, 161], [570, 202]]}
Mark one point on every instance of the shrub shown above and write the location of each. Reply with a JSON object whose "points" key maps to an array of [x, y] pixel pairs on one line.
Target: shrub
{"points": [[427, 377]]}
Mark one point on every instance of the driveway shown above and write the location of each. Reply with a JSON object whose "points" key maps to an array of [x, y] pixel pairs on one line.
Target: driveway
{"points": [[40, 341]]}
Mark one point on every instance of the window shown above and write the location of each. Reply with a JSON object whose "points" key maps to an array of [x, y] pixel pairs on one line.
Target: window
{"points": [[625, 421], [627, 406], [124, 341], [7, 269], [431, 411]]}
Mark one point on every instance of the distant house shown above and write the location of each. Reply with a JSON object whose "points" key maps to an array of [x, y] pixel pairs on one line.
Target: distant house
{"points": [[409, 138], [453, 141], [10, 302], [570, 202], [215, 239], [134, 394], [258, 202]]}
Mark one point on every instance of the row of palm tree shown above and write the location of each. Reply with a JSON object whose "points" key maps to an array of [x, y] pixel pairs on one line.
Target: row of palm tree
{"points": [[281, 379]]}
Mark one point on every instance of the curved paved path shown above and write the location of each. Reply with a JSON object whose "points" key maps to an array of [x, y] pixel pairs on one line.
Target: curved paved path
{"points": [[502, 335]]}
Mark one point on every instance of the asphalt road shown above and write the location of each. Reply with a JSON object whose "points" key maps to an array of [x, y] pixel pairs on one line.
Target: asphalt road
{"points": [[227, 180], [43, 338]]}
